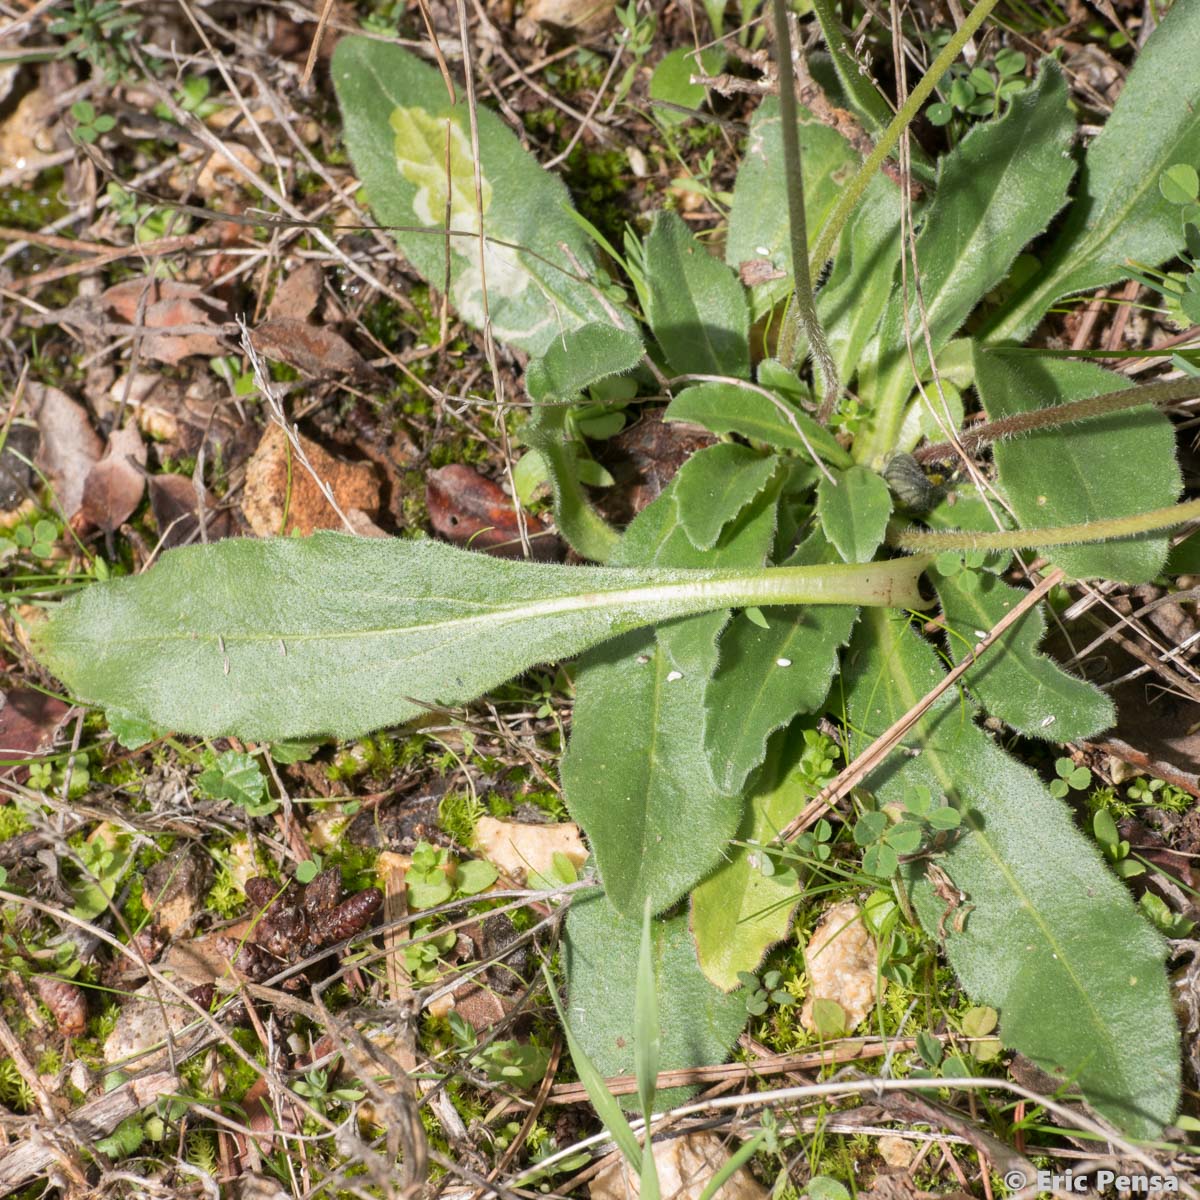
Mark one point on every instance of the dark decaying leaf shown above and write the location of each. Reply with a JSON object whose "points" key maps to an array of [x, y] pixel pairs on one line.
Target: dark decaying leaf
{"points": [[176, 509], [469, 510], [115, 484]]}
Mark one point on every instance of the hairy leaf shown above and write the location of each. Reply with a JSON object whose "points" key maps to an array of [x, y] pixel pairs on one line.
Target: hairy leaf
{"points": [[1054, 942], [636, 776], [579, 358], [997, 190], [697, 308], [758, 220], [856, 293], [398, 121], [1120, 221], [738, 912], [292, 637], [1108, 467], [718, 483], [1025, 689], [727, 408], [853, 510], [768, 675], [699, 1022]]}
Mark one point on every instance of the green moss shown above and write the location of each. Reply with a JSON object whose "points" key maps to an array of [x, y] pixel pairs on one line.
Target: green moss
{"points": [[13, 821]]}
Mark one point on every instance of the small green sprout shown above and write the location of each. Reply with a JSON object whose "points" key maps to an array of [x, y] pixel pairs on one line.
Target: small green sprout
{"points": [[89, 124], [1069, 778]]}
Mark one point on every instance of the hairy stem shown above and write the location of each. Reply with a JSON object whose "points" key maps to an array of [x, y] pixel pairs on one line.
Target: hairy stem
{"points": [[1172, 392], [803, 309], [1086, 532], [853, 191]]}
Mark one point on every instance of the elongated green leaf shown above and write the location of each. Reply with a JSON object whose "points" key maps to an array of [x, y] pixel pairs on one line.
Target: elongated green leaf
{"points": [[768, 675], [587, 532], [646, 1029], [997, 190], [699, 1022], [853, 510], [398, 122], [738, 912], [854, 297], [1025, 689], [727, 408], [574, 361], [579, 358], [1120, 220], [636, 776], [758, 220], [697, 308], [603, 1101], [287, 638], [1054, 941], [1109, 467], [719, 483]]}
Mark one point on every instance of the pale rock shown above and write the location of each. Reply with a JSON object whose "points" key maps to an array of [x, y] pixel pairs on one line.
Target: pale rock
{"points": [[685, 1165], [842, 965], [521, 850], [896, 1151], [570, 16], [266, 495]]}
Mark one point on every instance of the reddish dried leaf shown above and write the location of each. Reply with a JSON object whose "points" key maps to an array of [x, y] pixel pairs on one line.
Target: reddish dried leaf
{"points": [[350, 917], [311, 349], [296, 297], [115, 484], [66, 1002], [28, 722], [168, 305], [467, 509], [758, 270], [70, 447]]}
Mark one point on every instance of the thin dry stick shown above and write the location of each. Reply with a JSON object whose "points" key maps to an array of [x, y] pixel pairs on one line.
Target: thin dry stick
{"points": [[315, 48], [854, 773]]}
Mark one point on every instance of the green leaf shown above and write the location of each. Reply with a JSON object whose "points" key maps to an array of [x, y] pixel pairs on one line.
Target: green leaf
{"points": [[130, 731], [769, 672], [234, 776], [997, 190], [856, 293], [738, 912], [727, 408], [397, 117], [1110, 466], [592, 1078], [714, 485], [758, 220], [671, 80], [646, 1028], [854, 512], [295, 637], [699, 1022], [1054, 942], [1025, 689], [1120, 221], [580, 358], [697, 308], [1180, 184], [636, 775]]}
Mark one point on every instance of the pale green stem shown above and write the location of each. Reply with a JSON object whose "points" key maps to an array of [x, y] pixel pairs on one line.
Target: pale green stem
{"points": [[803, 309], [1085, 532], [853, 191]]}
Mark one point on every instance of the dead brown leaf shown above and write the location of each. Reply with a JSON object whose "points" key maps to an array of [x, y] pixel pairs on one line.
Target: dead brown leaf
{"points": [[296, 297], [169, 305], [70, 447], [28, 723], [176, 511], [114, 486], [311, 349]]}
